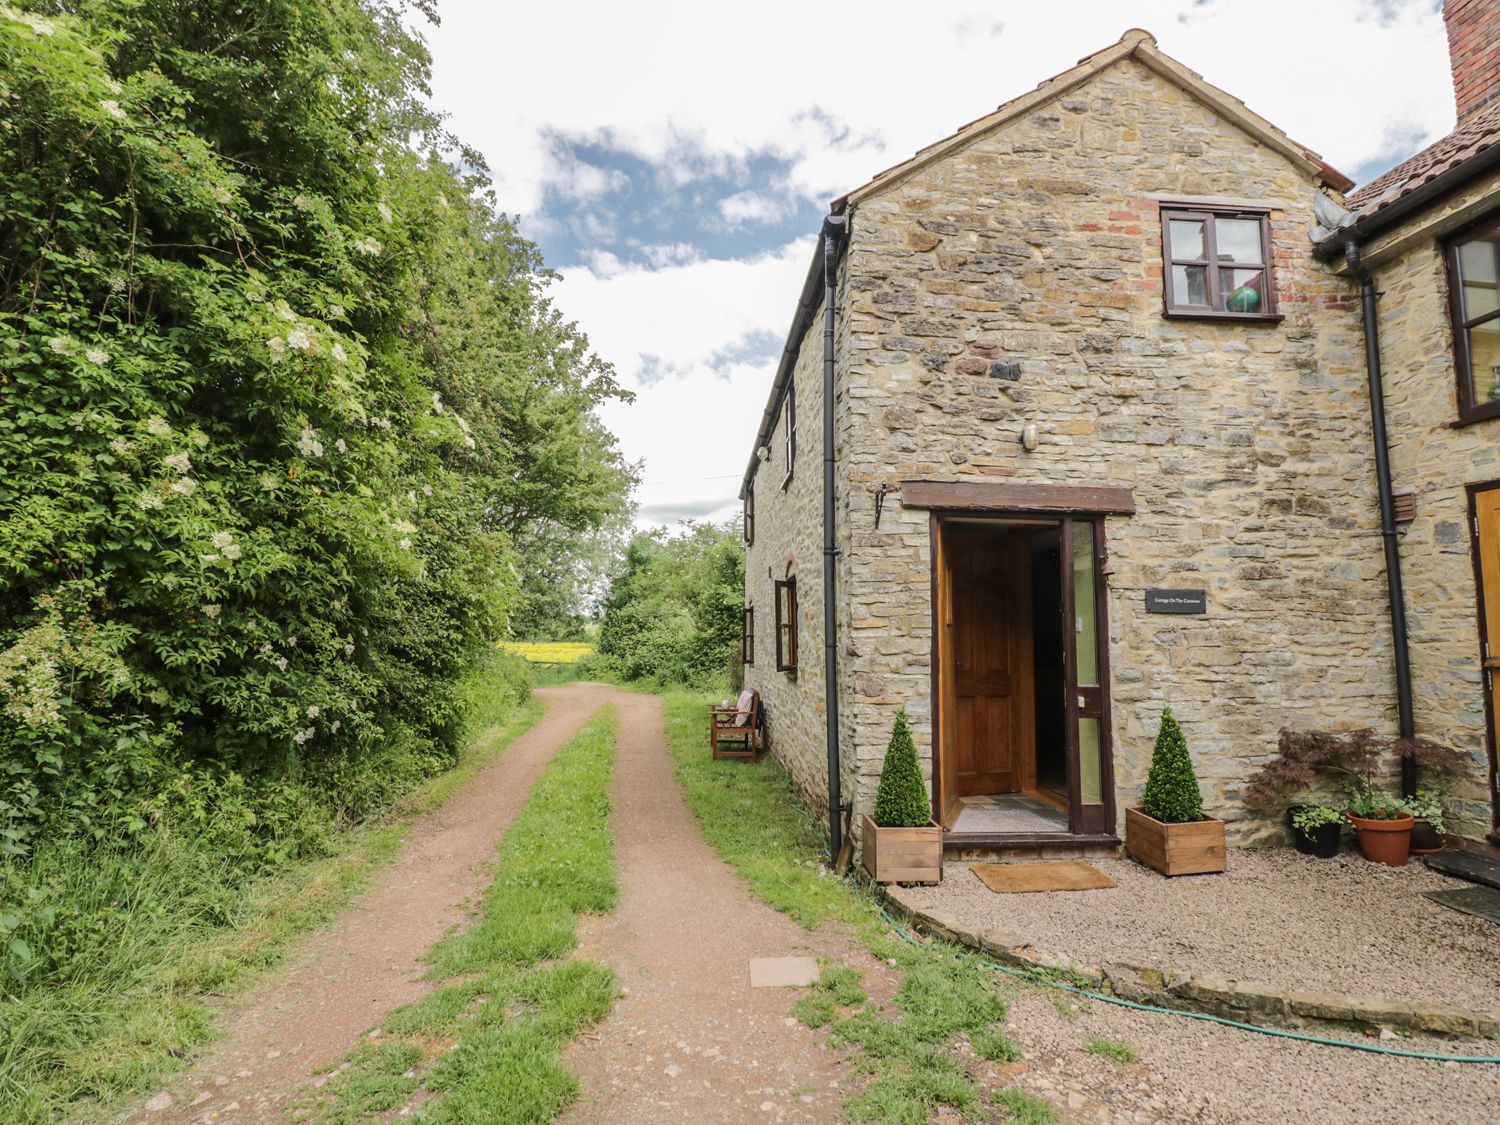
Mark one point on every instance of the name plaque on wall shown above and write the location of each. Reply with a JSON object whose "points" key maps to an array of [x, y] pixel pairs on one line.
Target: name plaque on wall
{"points": [[1176, 601]]}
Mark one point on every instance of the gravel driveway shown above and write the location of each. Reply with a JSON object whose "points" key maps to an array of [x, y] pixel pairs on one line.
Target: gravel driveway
{"points": [[1274, 917]]}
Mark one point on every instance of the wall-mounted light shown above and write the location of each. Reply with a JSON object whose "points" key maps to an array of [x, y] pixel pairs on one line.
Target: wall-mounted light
{"points": [[1028, 437]]}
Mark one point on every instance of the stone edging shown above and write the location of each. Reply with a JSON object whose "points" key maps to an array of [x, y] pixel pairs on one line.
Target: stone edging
{"points": [[1238, 1000]]}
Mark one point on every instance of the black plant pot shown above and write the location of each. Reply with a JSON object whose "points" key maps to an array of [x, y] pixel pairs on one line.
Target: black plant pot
{"points": [[1425, 839], [1323, 841]]}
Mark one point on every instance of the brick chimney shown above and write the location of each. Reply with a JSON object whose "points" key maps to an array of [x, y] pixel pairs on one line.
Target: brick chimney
{"points": [[1474, 48]]}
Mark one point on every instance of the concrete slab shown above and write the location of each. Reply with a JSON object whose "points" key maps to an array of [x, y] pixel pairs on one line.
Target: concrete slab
{"points": [[783, 972]]}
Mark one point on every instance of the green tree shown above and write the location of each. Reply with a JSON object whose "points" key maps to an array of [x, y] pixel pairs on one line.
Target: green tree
{"points": [[901, 798], [284, 412], [674, 610], [1171, 793]]}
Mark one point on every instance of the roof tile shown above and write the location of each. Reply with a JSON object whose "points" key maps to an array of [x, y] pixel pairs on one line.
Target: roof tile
{"points": [[1471, 138]]}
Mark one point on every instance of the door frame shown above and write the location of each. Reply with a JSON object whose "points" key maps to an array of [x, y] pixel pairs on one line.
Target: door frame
{"points": [[940, 593], [1472, 492]]}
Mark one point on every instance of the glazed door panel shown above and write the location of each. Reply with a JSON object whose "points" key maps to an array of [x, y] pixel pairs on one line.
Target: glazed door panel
{"points": [[945, 798], [992, 714]]}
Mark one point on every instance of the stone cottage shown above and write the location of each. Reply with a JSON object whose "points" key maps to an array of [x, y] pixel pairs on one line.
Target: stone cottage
{"points": [[1099, 442]]}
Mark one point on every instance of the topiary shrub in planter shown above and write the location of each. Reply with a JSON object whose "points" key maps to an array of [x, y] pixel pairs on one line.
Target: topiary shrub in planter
{"points": [[902, 844], [1169, 832]]}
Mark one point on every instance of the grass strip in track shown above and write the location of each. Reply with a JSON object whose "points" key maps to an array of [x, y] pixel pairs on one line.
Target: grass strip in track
{"points": [[486, 1045], [72, 1051], [920, 1057]]}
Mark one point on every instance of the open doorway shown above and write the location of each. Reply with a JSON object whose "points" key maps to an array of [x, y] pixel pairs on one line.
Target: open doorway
{"points": [[1008, 753]]}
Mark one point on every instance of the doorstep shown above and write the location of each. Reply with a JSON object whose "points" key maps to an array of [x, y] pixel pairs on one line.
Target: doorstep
{"points": [[1028, 845]]}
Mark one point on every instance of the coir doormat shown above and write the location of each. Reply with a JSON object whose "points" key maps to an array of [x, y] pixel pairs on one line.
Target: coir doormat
{"points": [[1021, 878]]}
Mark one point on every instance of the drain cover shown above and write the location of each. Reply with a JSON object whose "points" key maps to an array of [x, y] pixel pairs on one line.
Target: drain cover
{"points": [[1482, 902]]}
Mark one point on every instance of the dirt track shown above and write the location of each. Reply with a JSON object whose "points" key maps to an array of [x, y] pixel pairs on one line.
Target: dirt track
{"points": [[691, 1041], [340, 981]]}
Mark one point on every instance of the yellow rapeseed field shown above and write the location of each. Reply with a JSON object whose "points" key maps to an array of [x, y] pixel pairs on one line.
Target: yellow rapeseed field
{"points": [[549, 652]]}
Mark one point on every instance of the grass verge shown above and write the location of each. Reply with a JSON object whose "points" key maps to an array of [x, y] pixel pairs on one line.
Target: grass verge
{"points": [[923, 1052], [486, 1045], [68, 1050]]}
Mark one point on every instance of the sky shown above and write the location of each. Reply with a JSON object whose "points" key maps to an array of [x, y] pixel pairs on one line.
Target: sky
{"points": [[674, 160]]}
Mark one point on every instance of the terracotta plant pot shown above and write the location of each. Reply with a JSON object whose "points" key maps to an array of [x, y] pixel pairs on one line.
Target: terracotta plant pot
{"points": [[1383, 841], [1425, 839]]}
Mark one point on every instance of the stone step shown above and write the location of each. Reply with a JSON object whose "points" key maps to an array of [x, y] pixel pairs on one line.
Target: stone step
{"points": [[1466, 865]]}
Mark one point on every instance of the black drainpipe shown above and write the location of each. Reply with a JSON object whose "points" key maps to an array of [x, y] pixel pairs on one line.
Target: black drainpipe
{"points": [[833, 232], [1368, 298]]}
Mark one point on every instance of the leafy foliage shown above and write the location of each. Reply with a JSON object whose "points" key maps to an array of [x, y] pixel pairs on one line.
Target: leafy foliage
{"points": [[901, 799], [283, 405], [1361, 762], [285, 416], [1171, 793], [674, 612]]}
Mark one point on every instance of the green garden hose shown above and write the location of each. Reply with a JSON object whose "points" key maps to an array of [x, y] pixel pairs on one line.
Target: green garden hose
{"points": [[1280, 1033]]}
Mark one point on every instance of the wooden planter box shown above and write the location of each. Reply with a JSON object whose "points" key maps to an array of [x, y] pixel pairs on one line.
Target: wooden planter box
{"points": [[1195, 848], [903, 855]]}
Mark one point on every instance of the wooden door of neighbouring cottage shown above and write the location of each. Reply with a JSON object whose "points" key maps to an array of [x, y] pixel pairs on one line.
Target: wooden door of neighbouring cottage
{"points": [[1485, 508]]}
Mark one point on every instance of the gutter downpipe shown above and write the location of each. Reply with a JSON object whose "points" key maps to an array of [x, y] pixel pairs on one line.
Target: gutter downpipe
{"points": [[833, 233], [1368, 300]]}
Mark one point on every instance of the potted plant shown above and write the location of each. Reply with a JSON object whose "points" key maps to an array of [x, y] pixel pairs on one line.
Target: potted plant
{"points": [[1427, 827], [1316, 830], [902, 843], [1382, 826], [1169, 832]]}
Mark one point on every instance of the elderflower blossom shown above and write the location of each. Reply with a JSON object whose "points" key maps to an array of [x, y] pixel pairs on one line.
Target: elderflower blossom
{"points": [[269, 482], [308, 444], [117, 283], [198, 438], [302, 736], [39, 24], [470, 443], [186, 486], [341, 446], [284, 310], [281, 663], [158, 426], [338, 353], [349, 648], [427, 490], [404, 544], [300, 339], [87, 255], [97, 356], [437, 403], [313, 712], [335, 727], [148, 501], [211, 610], [112, 107], [121, 446], [60, 344], [367, 246], [385, 211], [338, 312], [302, 203], [221, 539], [220, 194], [277, 347], [179, 463]]}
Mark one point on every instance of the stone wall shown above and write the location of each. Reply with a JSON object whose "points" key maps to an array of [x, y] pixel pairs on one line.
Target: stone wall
{"points": [[789, 541], [1018, 279], [1438, 462]]}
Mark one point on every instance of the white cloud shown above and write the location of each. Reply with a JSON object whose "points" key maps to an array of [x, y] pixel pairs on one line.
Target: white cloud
{"points": [[682, 84], [677, 336]]}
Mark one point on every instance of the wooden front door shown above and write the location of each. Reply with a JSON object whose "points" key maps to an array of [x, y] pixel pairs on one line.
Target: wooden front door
{"points": [[993, 703], [1486, 511]]}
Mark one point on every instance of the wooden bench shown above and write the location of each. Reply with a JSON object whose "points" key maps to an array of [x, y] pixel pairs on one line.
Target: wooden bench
{"points": [[736, 732]]}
